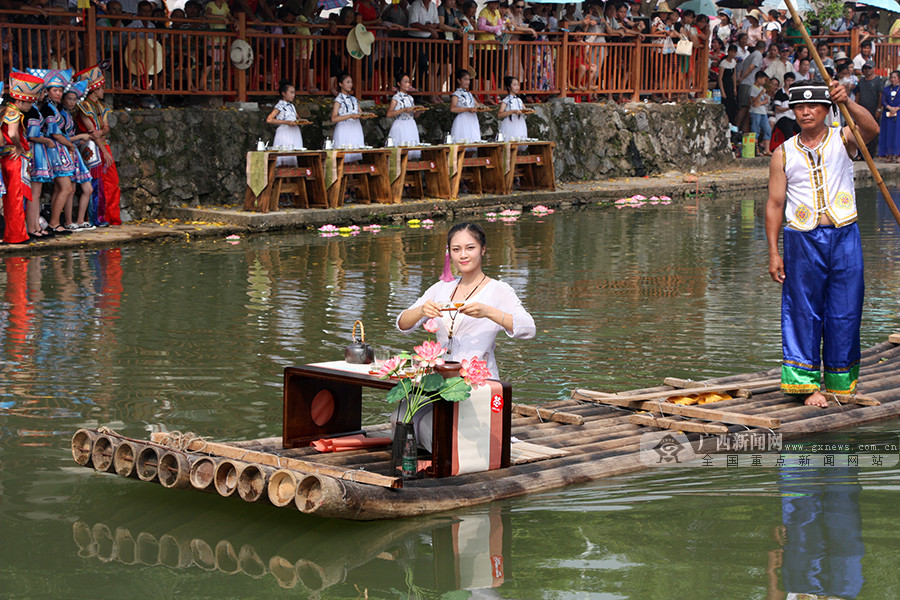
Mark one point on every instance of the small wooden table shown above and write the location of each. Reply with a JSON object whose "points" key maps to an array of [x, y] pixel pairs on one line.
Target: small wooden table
{"points": [[306, 181], [486, 168], [535, 166], [432, 164], [372, 169], [310, 389]]}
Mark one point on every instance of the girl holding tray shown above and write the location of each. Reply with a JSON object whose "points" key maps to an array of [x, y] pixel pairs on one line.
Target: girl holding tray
{"points": [[466, 127], [345, 114], [404, 131], [512, 112], [288, 134]]}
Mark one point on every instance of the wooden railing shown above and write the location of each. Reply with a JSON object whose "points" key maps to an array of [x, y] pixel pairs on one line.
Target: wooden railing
{"points": [[194, 61]]}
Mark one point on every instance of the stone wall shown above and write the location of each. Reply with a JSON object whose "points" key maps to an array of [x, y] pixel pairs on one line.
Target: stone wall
{"points": [[171, 157]]}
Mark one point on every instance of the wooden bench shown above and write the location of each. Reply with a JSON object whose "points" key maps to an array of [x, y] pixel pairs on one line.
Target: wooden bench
{"points": [[301, 183], [535, 168], [372, 173], [432, 167], [484, 171], [306, 182]]}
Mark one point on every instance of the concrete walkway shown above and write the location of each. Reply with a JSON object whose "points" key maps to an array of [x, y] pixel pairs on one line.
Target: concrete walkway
{"points": [[186, 222]]}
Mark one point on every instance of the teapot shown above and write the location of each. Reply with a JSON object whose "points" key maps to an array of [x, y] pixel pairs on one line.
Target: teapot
{"points": [[261, 146], [359, 352]]}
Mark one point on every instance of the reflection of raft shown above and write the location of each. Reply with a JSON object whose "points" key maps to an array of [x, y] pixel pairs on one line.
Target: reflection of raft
{"points": [[356, 485]]}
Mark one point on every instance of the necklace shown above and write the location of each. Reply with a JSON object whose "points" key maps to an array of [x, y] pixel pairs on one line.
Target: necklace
{"points": [[455, 313]]}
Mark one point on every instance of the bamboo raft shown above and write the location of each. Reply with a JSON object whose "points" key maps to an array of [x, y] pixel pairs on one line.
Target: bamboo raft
{"points": [[590, 436]]}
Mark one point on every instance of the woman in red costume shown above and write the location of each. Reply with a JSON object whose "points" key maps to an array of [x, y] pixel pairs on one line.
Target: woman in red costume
{"points": [[14, 155], [92, 119]]}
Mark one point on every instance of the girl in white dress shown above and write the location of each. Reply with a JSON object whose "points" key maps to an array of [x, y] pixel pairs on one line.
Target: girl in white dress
{"points": [[285, 116], [513, 124], [466, 127], [345, 114], [404, 130], [489, 307]]}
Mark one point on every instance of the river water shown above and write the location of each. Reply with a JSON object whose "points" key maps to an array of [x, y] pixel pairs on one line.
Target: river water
{"points": [[194, 336]]}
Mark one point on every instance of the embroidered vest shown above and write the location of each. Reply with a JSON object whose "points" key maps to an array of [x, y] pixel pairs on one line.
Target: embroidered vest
{"points": [[819, 180]]}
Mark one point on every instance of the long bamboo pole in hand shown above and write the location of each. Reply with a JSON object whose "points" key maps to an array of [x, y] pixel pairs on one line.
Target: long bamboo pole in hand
{"points": [[846, 112]]}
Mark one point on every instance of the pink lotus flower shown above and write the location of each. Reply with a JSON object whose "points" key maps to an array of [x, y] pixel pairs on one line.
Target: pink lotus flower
{"points": [[431, 325], [429, 354], [328, 228], [490, 215], [391, 366], [638, 197], [233, 237], [474, 371], [665, 198]]}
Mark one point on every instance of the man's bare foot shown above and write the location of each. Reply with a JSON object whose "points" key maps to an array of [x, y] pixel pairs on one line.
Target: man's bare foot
{"points": [[816, 399]]}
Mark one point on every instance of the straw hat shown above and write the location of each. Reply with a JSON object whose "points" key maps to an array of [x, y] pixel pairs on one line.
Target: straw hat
{"points": [[471, 71], [25, 87], [663, 8], [144, 56], [93, 76], [359, 41], [241, 55], [755, 14]]}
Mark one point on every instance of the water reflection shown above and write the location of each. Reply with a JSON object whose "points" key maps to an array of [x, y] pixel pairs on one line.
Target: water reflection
{"points": [[821, 538], [435, 554]]}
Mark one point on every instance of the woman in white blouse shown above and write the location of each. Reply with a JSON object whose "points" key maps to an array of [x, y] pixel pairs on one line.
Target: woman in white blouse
{"points": [[466, 127], [489, 306], [345, 113], [512, 109], [404, 130]]}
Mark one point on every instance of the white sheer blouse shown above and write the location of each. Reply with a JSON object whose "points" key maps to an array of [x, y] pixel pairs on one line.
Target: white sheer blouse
{"points": [[476, 337]]}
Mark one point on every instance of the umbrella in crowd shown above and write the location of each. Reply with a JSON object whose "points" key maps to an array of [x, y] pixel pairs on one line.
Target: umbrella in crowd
{"points": [[331, 4], [700, 7], [801, 5], [890, 5]]}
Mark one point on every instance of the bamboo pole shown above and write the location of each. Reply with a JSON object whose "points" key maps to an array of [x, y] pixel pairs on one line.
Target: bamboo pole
{"points": [[147, 464], [202, 472], [282, 487], [253, 483], [103, 451], [649, 420], [82, 444], [226, 476], [547, 414], [226, 451], [174, 470], [124, 458], [861, 144]]}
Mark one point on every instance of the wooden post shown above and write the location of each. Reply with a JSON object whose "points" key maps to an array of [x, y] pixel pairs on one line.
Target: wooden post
{"points": [[357, 72], [854, 42], [465, 54], [637, 70], [703, 70], [241, 74], [563, 62], [90, 37]]}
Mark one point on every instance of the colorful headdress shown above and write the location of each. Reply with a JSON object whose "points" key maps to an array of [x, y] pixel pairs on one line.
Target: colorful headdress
{"points": [[79, 88], [23, 86], [52, 77], [93, 76]]}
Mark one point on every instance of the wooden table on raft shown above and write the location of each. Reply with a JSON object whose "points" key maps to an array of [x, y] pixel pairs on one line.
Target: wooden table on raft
{"points": [[373, 171], [535, 166], [485, 168], [306, 181], [432, 165], [321, 402]]}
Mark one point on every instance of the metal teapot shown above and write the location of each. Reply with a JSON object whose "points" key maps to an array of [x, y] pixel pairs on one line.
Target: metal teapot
{"points": [[359, 352]]}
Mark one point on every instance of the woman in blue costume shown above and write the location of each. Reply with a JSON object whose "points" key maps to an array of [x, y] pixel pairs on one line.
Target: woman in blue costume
{"points": [[889, 139], [77, 144], [58, 156], [41, 171]]}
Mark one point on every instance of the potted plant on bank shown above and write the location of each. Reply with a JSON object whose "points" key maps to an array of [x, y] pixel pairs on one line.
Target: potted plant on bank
{"points": [[421, 382]]}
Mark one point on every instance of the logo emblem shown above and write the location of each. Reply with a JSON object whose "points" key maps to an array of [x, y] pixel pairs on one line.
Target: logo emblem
{"points": [[807, 94], [668, 449], [496, 403], [803, 214]]}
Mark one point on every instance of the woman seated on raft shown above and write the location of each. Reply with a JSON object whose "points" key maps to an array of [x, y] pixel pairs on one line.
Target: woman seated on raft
{"points": [[488, 306]]}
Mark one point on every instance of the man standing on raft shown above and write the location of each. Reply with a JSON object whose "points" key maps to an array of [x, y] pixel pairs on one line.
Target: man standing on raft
{"points": [[811, 185]]}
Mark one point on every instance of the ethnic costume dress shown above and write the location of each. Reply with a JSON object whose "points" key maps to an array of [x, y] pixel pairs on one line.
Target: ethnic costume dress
{"points": [[349, 133], [16, 178], [404, 130], [889, 136], [41, 171], [287, 136], [466, 127], [59, 157], [104, 206], [81, 172], [823, 290]]}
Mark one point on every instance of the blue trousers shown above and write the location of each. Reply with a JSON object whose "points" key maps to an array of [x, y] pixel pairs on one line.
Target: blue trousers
{"points": [[821, 309]]}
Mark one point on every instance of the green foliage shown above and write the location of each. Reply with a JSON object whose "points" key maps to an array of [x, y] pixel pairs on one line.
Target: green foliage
{"points": [[399, 391], [432, 382], [454, 390], [826, 10]]}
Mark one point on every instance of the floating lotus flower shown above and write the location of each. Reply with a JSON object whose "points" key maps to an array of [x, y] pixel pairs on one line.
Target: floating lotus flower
{"points": [[328, 228], [491, 215], [427, 223], [375, 228], [540, 209], [414, 222], [509, 212], [233, 237], [345, 230]]}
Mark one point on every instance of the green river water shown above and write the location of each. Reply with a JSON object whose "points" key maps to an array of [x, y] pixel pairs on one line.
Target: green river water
{"points": [[194, 336]]}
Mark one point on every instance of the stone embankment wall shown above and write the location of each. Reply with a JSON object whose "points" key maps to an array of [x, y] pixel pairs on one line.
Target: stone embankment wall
{"points": [[172, 157]]}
